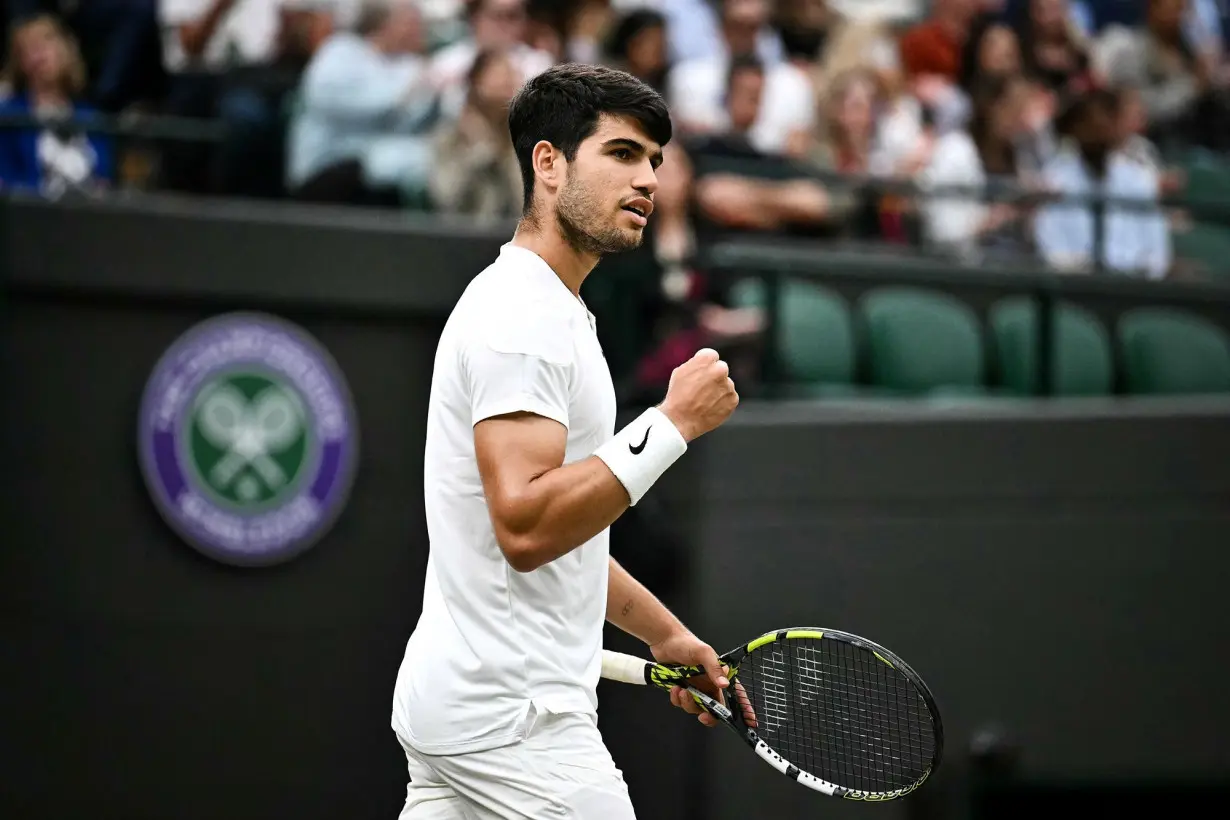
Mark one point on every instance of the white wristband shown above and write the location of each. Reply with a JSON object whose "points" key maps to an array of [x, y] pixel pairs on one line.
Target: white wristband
{"points": [[640, 453]]}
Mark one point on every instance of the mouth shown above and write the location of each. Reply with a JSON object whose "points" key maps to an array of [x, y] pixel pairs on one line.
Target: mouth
{"points": [[640, 210]]}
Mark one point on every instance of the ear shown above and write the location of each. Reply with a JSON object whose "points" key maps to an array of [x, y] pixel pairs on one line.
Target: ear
{"points": [[549, 164]]}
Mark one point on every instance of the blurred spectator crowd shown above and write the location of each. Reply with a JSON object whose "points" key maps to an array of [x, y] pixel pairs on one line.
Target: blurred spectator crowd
{"points": [[795, 118]]}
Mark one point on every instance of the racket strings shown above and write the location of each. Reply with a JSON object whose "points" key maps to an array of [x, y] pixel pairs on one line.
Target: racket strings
{"points": [[838, 712]]}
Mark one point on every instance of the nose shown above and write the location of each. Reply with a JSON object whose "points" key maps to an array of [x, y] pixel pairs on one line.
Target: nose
{"points": [[646, 180]]}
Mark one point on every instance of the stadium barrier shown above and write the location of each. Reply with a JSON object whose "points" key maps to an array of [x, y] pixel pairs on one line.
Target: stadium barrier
{"points": [[1054, 565]]}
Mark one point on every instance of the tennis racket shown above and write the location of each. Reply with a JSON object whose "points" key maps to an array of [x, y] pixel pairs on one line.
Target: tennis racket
{"points": [[828, 709]]}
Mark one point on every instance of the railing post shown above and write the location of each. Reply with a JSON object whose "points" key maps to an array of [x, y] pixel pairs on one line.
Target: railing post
{"points": [[1045, 341], [771, 366]]}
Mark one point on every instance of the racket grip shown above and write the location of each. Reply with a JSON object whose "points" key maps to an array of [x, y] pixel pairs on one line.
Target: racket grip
{"points": [[623, 668]]}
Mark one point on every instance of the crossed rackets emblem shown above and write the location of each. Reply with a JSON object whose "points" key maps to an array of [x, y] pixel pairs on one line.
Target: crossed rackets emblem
{"points": [[248, 432]]}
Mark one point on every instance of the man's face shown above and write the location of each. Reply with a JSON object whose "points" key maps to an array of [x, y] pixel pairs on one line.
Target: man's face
{"points": [[497, 84], [403, 30], [743, 99], [611, 177], [499, 23], [1167, 15], [1098, 131]]}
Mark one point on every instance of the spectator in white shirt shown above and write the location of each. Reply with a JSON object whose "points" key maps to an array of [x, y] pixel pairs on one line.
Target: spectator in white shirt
{"points": [[964, 222], [1132, 240], [696, 88], [361, 134], [494, 25]]}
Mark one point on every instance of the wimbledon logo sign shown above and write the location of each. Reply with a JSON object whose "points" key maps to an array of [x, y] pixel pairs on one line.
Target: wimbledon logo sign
{"points": [[247, 439]]}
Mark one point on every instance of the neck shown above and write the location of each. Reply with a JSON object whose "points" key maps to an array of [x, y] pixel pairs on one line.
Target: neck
{"points": [[47, 95], [570, 265]]}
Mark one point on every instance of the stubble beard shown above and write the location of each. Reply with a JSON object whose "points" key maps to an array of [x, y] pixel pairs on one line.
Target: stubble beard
{"points": [[579, 215]]}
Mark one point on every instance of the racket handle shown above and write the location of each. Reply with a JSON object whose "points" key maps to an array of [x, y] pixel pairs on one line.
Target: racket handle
{"points": [[623, 668]]}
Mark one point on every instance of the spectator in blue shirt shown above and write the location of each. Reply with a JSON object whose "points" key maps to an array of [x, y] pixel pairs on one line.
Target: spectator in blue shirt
{"points": [[45, 76], [1132, 239], [361, 134]]}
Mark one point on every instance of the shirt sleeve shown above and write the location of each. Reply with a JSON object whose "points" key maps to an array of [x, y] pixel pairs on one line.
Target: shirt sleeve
{"points": [[523, 367]]}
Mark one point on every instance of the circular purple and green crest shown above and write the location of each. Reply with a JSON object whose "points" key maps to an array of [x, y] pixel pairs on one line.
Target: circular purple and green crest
{"points": [[248, 439]]}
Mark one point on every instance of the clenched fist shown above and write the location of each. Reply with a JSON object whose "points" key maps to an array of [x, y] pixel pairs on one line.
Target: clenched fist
{"points": [[701, 395]]}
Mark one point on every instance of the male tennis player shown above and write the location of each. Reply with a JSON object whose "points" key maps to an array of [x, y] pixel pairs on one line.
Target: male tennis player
{"points": [[495, 701]]}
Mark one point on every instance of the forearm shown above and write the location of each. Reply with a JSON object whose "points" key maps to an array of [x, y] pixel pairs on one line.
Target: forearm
{"points": [[635, 610]]}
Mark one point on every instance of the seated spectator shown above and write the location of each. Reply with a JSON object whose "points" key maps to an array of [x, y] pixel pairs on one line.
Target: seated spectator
{"points": [[933, 47], [963, 222], [1132, 240], [695, 88], [805, 27], [585, 26], [1136, 144], [493, 24], [1052, 48], [931, 59], [475, 171], [362, 132], [1185, 96], [848, 142], [232, 60], [741, 187], [44, 76], [991, 51], [119, 43], [694, 32], [637, 44]]}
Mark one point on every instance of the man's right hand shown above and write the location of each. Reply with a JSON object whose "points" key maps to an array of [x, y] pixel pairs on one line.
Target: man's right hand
{"points": [[701, 395]]}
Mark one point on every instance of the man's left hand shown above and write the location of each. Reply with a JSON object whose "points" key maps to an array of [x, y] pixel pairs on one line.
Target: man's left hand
{"points": [[685, 649]]}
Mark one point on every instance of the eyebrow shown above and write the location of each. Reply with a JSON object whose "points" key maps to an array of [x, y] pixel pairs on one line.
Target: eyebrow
{"points": [[624, 142]]}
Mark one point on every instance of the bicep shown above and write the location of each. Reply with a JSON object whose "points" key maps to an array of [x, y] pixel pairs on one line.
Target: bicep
{"points": [[512, 451]]}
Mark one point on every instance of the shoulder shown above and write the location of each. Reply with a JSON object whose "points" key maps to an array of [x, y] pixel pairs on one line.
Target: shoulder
{"points": [[957, 144], [498, 314], [1064, 167], [344, 45], [1131, 175]]}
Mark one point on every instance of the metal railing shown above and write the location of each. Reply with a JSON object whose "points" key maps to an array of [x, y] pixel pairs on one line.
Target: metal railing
{"points": [[133, 126]]}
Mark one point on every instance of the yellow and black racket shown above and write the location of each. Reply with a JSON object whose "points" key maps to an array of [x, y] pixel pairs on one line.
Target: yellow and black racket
{"points": [[828, 709]]}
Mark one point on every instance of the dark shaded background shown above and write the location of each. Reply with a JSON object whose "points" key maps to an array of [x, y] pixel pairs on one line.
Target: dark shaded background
{"points": [[1056, 568]]}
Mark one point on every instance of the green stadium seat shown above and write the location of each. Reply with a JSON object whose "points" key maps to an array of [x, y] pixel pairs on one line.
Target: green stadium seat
{"points": [[1082, 362], [1169, 351], [1206, 245], [1208, 176], [921, 341], [815, 335]]}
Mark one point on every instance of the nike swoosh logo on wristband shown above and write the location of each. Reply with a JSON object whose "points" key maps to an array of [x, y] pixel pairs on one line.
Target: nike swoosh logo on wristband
{"points": [[636, 451]]}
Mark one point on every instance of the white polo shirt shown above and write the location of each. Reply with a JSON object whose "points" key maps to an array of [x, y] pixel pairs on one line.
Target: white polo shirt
{"points": [[491, 640]]}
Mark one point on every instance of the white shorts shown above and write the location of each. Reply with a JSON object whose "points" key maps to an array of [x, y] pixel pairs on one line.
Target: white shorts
{"points": [[559, 769]]}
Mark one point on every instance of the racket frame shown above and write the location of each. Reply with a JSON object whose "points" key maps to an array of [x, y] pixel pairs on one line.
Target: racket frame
{"points": [[628, 669]]}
